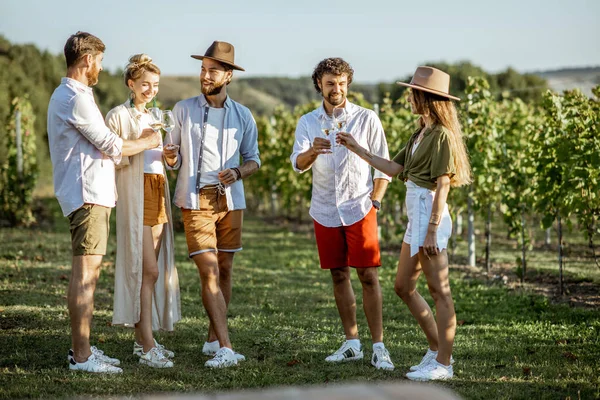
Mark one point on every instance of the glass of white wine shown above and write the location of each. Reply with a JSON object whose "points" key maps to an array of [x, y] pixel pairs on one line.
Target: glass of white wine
{"points": [[156, 118], [168, 123], [327, 126], [340, 118]]}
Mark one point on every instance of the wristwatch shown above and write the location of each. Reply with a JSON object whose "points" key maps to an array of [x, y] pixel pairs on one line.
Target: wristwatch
{"points": [[376, 204]]}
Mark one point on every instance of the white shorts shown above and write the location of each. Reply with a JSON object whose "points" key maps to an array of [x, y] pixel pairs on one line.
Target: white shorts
{"points": [[419, 202]]}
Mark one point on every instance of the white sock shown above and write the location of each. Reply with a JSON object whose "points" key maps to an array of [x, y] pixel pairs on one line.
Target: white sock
{"points": [[439, 364], [228, 349], [433, 351], [212, 343], [354, 343], [378, 345]]}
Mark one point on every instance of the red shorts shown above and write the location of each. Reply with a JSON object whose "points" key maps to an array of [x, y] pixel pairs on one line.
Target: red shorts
{"points": [[356, 245]]}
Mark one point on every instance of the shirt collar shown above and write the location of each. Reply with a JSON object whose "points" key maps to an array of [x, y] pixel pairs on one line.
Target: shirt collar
{"points": [[76, 83], [204, 102]]}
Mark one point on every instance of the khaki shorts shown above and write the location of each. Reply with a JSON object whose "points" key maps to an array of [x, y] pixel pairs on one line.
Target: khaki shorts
{"points": [[155, 211], [89, 228], [213, 227]]}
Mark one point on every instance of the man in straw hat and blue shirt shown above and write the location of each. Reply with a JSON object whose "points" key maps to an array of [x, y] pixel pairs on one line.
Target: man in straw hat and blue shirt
{"points": [[212, 133]]}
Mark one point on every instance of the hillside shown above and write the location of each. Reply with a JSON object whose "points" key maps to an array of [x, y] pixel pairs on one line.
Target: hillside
{"points": [[570, 78]]}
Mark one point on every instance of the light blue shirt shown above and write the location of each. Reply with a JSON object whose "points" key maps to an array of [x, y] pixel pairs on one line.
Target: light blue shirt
{"points": [[240, 141]]}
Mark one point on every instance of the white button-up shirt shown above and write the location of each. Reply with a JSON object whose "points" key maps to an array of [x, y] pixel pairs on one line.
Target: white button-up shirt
{"points": [[342, 182], [82, 148], [239, 140]]}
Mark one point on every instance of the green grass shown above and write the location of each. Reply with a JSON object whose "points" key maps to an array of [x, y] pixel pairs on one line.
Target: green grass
{"points": [[510, 344]]}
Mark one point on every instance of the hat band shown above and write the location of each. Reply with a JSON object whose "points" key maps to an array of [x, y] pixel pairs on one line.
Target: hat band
{"points": [[429, 88]]}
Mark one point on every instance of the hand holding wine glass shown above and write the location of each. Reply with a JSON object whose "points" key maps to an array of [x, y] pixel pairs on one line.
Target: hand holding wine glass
{"points": [[322, 145]]}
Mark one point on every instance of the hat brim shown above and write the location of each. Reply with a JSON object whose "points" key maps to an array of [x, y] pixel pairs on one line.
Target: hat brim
{"points": [[219, 60], [413, 86]]}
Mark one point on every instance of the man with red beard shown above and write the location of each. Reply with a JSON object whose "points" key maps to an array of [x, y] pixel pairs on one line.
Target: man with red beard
{"points": [[212, 133], [83, 151], [344, 203]]}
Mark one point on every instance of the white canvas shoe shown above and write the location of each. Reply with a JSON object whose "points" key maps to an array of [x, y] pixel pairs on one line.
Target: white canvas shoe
{"points": [[99, 355], [381, 359], [155, 359], [211, 348], [345, 353], [224, 358], [94, 365], [430, 355], [138, 349], [433, 371]]}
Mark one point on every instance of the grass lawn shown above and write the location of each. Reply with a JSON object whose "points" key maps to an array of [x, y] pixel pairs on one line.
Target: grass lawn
{"points": [[510, 344]]}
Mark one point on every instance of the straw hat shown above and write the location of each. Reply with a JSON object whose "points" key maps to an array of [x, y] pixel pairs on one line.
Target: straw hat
{"points": [[432, 80], [222, 52]]}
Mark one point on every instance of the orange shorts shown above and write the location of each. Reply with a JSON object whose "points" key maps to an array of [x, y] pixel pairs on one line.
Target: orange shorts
{"points": [[213, 227], [356, 245], [155, 211]]}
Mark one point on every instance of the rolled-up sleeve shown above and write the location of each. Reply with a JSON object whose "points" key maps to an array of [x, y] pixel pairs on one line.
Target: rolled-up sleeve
{"points": [[301, 143], [442, 160], [249, 145], [87, 119], [378, 144]]}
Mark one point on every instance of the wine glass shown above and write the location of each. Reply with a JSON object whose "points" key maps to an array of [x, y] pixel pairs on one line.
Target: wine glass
{"points": [[156, 118], [168, 123], [340, 118], [327, 125]]}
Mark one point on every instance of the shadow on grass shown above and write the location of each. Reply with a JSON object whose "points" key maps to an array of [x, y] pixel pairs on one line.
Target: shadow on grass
{"points": [[283, 318]]}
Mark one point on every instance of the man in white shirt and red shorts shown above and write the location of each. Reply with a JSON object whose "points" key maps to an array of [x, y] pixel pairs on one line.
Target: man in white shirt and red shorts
{"points": [[344, 204]]}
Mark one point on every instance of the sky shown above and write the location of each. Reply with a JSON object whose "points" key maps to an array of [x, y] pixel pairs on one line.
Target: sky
{"points": [[383, 40]]}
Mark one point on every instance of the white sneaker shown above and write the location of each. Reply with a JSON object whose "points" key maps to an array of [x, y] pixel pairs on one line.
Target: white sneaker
{"points": [[211, 348], [345, 353], [225, 357], [156, 359], [430, 355], [432, 372], [381, 359], [99, 355], [93, 364], [138, 349]]}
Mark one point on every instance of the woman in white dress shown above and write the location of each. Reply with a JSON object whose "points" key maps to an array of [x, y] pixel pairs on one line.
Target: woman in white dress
{"points": [[146, 283], [434, 159]]}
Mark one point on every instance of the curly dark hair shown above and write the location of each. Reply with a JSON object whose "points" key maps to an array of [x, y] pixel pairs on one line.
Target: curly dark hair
{"points": [[335, 66]]}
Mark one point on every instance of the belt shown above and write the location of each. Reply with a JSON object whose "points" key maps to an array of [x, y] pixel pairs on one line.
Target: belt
{"points": [[212, 188]]}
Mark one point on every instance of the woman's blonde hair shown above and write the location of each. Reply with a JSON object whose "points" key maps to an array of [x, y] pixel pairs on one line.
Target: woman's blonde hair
{"points": [[138, 64], [443, 112]]}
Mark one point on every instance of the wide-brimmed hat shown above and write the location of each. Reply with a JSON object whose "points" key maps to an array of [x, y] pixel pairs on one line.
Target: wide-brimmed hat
{"points": [[432, 80], [222, 52]]}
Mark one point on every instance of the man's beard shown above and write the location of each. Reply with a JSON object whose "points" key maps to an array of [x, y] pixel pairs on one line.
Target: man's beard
{"points": [[212, 89], [335, 102], [92, 76]]}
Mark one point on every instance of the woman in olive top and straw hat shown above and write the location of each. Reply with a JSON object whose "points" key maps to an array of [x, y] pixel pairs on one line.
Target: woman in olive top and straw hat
{"points": [[434, 159], [146, 282]]}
